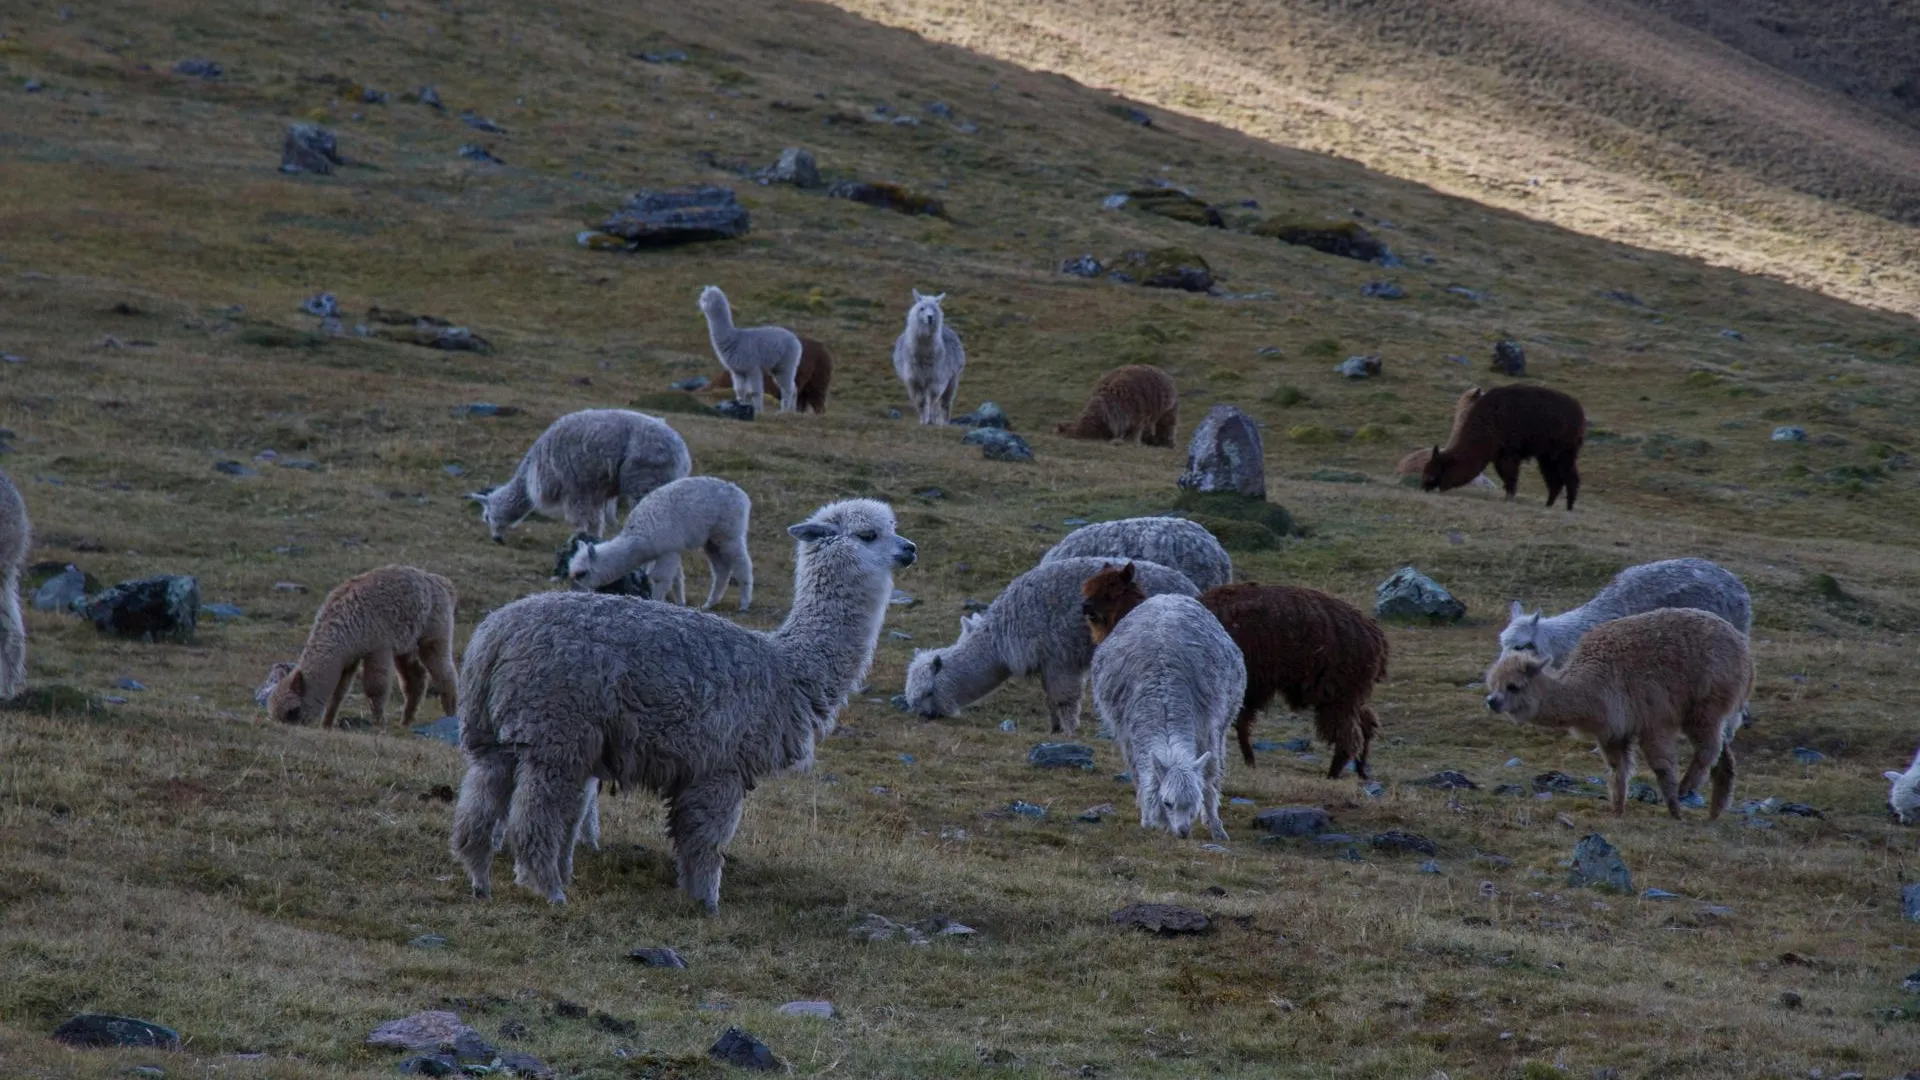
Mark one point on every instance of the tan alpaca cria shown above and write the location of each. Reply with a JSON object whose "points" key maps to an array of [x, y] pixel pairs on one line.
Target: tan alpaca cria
{"points": [[1136, 403], [396, 618], [1415, 463]]}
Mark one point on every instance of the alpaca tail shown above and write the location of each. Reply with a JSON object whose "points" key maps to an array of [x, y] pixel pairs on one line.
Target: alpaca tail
{"points": [[13, 638]]}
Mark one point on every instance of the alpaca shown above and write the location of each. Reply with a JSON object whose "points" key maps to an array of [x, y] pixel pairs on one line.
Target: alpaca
{"points": [[1508, 425], [1167, 679], [811, 380], [1669, 583], [1644, 679], [1415, 463], [582, 466], [1183, 545], [751, 353], [1033, 627], [929, 358], [703, 512], [563, 687], [395, 617], [1135, 403], [16, 540], [1904, 799], [1315, 651]]}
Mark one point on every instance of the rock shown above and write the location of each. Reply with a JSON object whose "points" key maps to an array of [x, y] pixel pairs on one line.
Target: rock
{"points": [[521, 1063], [879, 928], [427, 331], [1131, 115], [998, 444], [1294, 821], [199, 69], [475, 152], [1163, 268], [429, 1065], [1166, 920], [901, 598], [1789, 999], [1397, 841], [796, 167], [821, 1009], [428, 941], [423, 1031], [428, 96], [1344, 238], [658, 956], [988, 415], [888, 196], [1910, 901], [1806, 755], [1113, 202], [1085, 266], [1383, 290], [1596, 864], [1026, 809], [1298, 745], [1409, 594], [1061, 756], [740, 1049], [480, 123], [696, 382], [1226, 454], [100, 1029], [486, 408], [1696, 801], [1790, 434], [446, 730], [1373, 789], [1733, 335], [1555, 780], [233, 468], [1447, 780], [735, 410], [1797, 809], [674, 56], [1176, 204], [321, 306], [149, 609], [33, 86], [678, 216], [1508, 358], [1659, 894], [1430, 867], [129, 684], [1359, 367], [309, 148], [63, 591]]}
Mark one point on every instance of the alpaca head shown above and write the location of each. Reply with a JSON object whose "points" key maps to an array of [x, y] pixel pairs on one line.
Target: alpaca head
{"points": [[495, 512], [926, 316], [930, 690], [1107, 596], [1514, 685], [1904, 799], [712, 301], [851, 541], [1180, 791], [1435, 471], [583, 562], [275, 674], [1522, 633], [288, 701]]}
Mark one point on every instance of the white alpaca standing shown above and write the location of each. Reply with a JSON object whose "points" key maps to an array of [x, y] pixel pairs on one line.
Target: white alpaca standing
{"points": [[582, 466], [928, 357], [16, 540], [562, 687], [703, 512], [752, 354], [1904, 799]]}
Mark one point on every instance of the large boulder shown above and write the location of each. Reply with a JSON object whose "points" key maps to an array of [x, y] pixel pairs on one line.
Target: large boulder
{"points": [[1175, 204], [309, 148], [1162, 268], [1410, 594], [1344, 238], [165, 606], [1226, 454], [98, 1029], [680, 216]]}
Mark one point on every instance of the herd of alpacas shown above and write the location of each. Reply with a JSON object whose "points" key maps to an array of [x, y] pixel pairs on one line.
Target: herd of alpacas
{"points": [[563, 693]]}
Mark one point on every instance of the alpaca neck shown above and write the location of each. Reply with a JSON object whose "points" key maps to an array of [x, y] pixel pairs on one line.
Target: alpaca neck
{"points": [[972, 667], [511, 501], [719, 323], [828, 638], [1122, 604], [926, 339], [614, 559], [1571, 703]]}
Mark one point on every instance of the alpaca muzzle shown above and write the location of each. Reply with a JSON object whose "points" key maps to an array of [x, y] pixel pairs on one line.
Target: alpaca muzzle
{"points": [[1493, 702], [906, 553]]}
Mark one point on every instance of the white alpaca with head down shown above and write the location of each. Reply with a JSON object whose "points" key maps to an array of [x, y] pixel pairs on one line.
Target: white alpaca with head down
{"points": [[580, 468], [1904, 799], [702, 512], [752, 354], [1669, 583], [1173, 542], [16, 540], [562, 687], [929, 358]]}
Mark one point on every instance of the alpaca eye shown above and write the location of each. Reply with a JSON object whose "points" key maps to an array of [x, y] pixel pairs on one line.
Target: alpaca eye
{"points": [[868, 535], [1513, 688]]}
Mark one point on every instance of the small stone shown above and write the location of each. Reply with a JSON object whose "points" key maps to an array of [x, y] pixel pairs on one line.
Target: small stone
{"points": [[1796, 809], [796, 167], [309, 148], [735, 410], [1555, 780], [691, 384], [198, 69], [221, 612], [476, 152], [740, 1049], [1910, 901], [1447, 780], [99, 1029], [480, 123], [1294, 821], [899, 701], [1026, 809], [428, 941], [1298, 745], [899, 635], [1807, 755], [1733, 335], [1166, 920], [1359, 367], [1241, 800], [1508, 358], [658, 956], [1694, 800], [902, 598], [1790, 433], [1270, 351], [233, 468], [1061, 756], [129, 684], [446, 730], [908, 759], [1373, 789], [1659, 894], [1430, 867], [289, 587], [1409, 594], [321, 306], [33, 86], [1395, 840], [988, 415], [879, 928], [423, 1031], [1596, 863], [1383, 290], [999, 445], [521, 1063], [1085, 266], [429, 1065], [1791, 1000], [487, 408], [1008, 725], [820, 1009], [1226, 454], [1132, 115]]}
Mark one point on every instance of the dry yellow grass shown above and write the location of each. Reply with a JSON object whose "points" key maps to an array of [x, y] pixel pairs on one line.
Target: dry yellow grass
{"points": [[255, 886]]}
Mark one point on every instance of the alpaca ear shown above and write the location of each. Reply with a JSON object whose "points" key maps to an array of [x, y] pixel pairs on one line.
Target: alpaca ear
{"points": [[1533, 665], [938, 663], [481, 495], [1894, 776], [917, 297], [1126, 574], [1436, 451], [811, 531], [1517, 610], [297, 683], [939, 298]]}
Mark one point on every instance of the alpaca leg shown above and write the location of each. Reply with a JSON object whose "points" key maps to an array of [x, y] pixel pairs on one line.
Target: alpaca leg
{"points": [[376, 680], [1508, 467], [1620, 758], [13, 638], [1550, 472], [1705, 754], [1063, 699], [1661, 758], [587, 831], [547, 796], [1570, 472], [669, 578], [413, 683], [1243, 726], [339, 694], [1216, 772], [701, 819], [482, 809], [1369, 727], [739, 569], [1165, 430], [789, 393], [946, 399], [717, 566], [1722, 783], [1340, 728], [436, 655]]}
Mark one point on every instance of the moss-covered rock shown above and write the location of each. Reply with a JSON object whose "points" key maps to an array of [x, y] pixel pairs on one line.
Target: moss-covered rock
{"points": [[1232, 506], [889, 196], [1176, 204], [1238, 535], [1163, 268], [49, 699], [1343, 238], [1312, 434]]}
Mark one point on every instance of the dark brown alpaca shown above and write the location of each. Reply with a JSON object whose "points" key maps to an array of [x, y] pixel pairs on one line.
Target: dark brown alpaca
{"points": [[1136, 402], [810, 379], [1316, 651], [1508, 425]]}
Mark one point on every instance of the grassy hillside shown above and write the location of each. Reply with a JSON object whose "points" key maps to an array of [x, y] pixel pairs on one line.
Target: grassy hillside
{"points": [[171, 856]]}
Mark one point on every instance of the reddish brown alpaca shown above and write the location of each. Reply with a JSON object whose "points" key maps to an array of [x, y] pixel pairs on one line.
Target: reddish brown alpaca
{"points": [[810, 380], [1508, 425], [1316, 651], [1136, 402]]}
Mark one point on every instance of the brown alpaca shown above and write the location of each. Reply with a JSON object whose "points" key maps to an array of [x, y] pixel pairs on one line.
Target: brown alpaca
{"points": [[1132, 403], [1415, 464], [395, 617], [1644, 679], [1508, 425], [1316, 651], [810, 380]]}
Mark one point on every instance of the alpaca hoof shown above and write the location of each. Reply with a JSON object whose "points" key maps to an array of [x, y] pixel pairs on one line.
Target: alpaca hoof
{"points": [[482, 892], [1219, 833]]}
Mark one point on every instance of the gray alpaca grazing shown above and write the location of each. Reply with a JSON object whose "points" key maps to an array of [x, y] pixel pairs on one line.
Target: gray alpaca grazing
{"points": [[16, 540], [752, 354], [1033, 627], [1184, 545], [1670, 583], [928, 357], [1169, 681], [702, 512], [564, 687], [582, 466]]}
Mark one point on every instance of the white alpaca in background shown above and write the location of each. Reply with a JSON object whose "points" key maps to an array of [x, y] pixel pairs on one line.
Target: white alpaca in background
{"points": [[752, 354], [928, 357], [703, 512]]}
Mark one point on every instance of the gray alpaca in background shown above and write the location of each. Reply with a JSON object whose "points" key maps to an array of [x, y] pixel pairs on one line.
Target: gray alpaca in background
{"points": [[1184, 545], [703, 512], [1169, 680], [1670, 583], [752, 354], [582, 466], [16, 540], [1035, 626], [928, 357], [561, 687]]}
